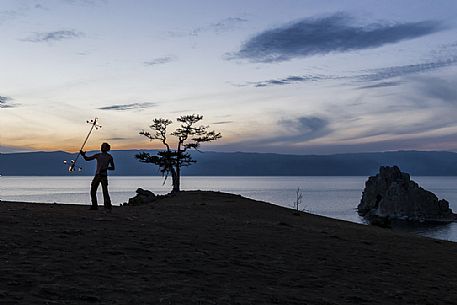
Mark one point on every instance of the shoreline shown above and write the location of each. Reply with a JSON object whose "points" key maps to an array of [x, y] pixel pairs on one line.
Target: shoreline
{"points": [[213, 248]]}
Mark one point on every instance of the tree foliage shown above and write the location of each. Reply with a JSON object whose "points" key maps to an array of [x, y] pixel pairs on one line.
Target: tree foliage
{"points": [[189, 136]]}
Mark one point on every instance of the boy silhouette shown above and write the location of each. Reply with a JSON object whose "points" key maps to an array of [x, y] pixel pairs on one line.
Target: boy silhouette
{"points": [[105, 162]]}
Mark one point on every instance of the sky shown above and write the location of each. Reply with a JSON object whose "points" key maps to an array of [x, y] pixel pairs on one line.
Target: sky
{"points": [[290, 76]]}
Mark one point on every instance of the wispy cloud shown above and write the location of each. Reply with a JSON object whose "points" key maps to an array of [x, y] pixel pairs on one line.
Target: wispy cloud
{"points": [[396, 71], [224, 25], [337, 33], [293, 134], [132, 106], [6, 102], [290, 80], [160, 60], [410, 129], [222, 122], [304, 128], [54, 36], [381, 85], [86, 2], [40, 6], [438, 88], [8, 15], [374, 78]]}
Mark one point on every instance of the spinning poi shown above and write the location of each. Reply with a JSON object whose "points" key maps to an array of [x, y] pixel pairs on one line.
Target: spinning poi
{"points": [[94, 124]]}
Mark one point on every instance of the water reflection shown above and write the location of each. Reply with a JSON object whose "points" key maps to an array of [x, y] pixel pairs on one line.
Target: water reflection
{"points": [[439, 231]]}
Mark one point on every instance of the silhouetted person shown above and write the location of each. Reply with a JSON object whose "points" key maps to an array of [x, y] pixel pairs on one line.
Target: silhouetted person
{"points": [[104, 163]]}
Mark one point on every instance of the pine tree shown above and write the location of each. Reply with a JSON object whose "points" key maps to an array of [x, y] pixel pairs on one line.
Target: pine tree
{"points": [[189, 136]]}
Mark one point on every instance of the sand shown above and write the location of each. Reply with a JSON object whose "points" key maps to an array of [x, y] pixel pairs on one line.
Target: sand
{"points": [[213, 248]]}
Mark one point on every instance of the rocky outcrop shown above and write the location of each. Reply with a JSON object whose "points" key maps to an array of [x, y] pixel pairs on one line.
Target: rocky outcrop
{"points": [[142, 196], [392, 194]]}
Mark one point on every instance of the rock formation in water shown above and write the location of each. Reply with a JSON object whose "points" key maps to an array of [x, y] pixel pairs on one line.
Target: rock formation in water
{"points": [[392, 194]]}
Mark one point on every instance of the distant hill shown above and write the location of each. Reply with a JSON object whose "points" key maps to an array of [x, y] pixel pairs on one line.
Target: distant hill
{"points": [[417, 163]]}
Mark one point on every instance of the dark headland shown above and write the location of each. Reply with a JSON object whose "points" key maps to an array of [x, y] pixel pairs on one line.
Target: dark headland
{"points": [[213, 248]]}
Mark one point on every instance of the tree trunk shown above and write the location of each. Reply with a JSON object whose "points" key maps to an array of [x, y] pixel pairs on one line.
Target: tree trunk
{"points": [[175, 176]]}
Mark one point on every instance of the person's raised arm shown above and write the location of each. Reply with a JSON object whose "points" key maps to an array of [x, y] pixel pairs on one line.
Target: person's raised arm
{"points": [[87, 158]]}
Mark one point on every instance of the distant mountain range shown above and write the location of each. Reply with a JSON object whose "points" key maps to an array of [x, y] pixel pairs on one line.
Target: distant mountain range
{"points": [[417, 163]]}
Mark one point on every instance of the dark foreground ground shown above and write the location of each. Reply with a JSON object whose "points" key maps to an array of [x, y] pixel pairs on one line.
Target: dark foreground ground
{"points": [[213, 248]]}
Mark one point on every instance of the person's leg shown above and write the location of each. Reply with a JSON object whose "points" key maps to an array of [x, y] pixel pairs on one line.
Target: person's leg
{"points": [[106, 198], [93, 191]]}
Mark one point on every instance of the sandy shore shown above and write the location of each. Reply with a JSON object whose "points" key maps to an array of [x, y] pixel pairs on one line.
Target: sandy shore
{"points": [[213, 248]]}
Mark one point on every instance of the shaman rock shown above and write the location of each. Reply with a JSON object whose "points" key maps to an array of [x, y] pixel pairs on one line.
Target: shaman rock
{"points": [[393, 195]]}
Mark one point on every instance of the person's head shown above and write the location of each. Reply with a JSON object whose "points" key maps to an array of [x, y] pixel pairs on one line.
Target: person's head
{"points": [[105, 147]]}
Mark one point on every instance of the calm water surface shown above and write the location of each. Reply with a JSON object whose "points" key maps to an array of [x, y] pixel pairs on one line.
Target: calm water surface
{"points": [[335, 197]]}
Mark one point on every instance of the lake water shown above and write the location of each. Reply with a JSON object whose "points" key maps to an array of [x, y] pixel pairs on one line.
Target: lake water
{"points": [[335, 197]]}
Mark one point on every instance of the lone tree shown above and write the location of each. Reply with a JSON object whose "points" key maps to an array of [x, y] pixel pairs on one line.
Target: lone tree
{"points": [[189, 137]]}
